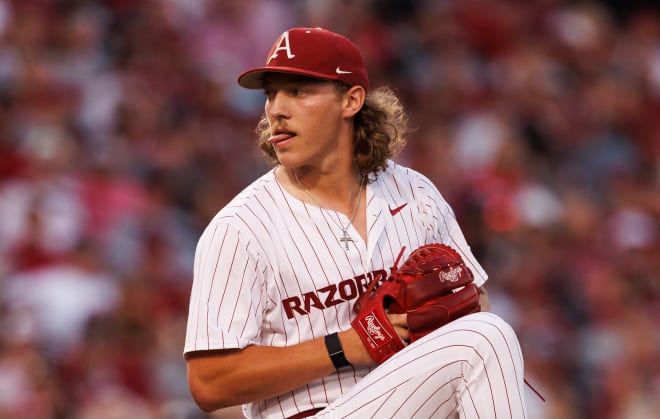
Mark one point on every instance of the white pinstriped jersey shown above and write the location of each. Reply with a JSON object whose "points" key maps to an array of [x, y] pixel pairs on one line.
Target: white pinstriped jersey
{"points": [[271, 270]]}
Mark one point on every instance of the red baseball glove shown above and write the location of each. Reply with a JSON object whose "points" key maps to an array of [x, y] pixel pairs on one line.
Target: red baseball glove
{"points": [[433, 286]]}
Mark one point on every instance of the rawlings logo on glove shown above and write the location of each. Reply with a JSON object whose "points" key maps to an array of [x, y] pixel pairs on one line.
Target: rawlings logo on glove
{"points": [[433, 287], [452, 275]]}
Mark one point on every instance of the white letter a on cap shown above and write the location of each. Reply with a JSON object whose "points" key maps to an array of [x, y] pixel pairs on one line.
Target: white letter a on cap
{"points": [[283, 45]]}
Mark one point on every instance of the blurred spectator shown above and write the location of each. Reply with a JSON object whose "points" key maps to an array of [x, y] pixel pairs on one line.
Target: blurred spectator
{"points": [[57, 299]]}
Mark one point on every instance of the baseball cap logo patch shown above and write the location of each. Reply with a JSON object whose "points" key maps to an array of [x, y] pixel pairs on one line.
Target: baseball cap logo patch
{"points": [[311, 52], [282, 45]]}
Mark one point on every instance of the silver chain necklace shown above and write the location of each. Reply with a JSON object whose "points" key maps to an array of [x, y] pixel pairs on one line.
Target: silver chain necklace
{"points": [[345, 238]]}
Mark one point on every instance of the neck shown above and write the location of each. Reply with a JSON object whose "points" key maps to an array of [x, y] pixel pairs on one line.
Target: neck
{"points": [[338, 193], [336, 185], [348, 197]]}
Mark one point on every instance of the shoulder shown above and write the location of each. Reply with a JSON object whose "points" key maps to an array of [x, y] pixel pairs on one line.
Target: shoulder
{"points": [[235, 230], [259, 193], [407, 180], [250, 207], [395, 171]]}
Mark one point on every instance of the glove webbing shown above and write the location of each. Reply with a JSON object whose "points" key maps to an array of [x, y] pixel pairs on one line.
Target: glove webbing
{"points": [[372, 284]]}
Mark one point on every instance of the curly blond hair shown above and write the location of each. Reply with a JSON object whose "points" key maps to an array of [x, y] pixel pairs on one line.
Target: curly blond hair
{"points": [[380, 131]]}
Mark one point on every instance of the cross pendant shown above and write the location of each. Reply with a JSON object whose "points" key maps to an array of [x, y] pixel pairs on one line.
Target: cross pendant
{"points": [[345, 238]]}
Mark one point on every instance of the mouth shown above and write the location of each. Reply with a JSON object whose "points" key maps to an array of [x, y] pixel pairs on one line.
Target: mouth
{"points": [[280, 137]]}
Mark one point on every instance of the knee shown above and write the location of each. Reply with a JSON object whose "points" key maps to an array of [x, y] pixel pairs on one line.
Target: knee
{"points": [[494, 335], [498, 325]]}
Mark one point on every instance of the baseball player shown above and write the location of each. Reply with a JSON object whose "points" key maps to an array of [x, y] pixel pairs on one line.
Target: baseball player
{"points": [[279, 269]]}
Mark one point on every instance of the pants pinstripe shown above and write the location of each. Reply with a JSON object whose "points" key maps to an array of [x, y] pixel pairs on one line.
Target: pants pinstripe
{"points": [[470, 368]]}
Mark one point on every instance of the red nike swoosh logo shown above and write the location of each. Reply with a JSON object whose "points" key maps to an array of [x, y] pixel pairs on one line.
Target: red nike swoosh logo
{"points": [[395, 211]]}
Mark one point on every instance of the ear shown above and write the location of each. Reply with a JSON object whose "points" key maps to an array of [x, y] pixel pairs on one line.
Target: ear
{"points": [[353, 100]]}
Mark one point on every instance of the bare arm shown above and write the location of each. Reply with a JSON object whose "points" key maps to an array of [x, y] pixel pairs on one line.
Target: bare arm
{"points": [[230, 377]]}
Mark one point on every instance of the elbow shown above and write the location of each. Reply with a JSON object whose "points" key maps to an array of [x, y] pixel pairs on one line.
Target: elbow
{"points": [[207, 406], [211, 382], [206, 398], [209, 395]]}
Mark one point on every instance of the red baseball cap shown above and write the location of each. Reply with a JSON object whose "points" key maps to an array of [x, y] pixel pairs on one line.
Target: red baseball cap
{"points": [[311, 52]]}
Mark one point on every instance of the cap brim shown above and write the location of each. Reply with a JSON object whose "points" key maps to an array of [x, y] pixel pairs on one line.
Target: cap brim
{"points": [[254, 79]]}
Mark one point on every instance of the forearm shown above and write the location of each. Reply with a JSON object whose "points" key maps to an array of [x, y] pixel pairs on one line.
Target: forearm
{"points": [[231, 377]]}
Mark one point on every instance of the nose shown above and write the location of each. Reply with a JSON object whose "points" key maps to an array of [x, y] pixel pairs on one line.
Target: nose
{"points": [[276, 105]]}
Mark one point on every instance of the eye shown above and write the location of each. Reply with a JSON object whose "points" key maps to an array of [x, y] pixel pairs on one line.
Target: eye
{"points": [[297, 91]]}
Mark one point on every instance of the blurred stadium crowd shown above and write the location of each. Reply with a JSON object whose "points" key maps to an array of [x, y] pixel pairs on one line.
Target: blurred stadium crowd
{"points": [[122, 132]]}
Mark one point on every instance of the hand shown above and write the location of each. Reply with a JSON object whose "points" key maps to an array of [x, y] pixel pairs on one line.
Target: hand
{"points": [[355, 351], [400, 323]]}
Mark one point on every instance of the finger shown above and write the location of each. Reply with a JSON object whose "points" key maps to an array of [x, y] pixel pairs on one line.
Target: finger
{"points": [[403, 334], [400, 323], [399, 320]]}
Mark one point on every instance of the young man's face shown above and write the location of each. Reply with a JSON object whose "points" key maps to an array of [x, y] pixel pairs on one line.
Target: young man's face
{"points": [[306, 118]]}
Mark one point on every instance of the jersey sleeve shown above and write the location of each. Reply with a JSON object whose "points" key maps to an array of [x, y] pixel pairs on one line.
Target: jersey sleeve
{"points": [[442, 222], [226, 296]]}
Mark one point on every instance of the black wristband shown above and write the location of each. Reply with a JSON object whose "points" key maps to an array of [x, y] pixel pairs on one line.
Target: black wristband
{"points": [[335, 351]]}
